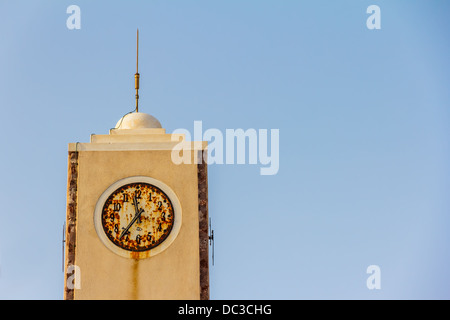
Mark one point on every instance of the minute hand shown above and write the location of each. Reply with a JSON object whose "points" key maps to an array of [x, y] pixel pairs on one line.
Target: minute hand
{"points": [[131, 223]]}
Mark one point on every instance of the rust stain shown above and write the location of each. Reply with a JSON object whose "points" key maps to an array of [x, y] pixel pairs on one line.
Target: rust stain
{"points": [[135, 280]]}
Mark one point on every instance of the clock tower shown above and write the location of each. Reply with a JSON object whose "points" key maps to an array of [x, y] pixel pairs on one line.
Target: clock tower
{"points": [[136, 222]]}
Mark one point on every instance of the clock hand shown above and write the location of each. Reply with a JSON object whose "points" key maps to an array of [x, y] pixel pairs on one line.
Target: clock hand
{"points": [[135, 203], [131, 223], [136, 209]]}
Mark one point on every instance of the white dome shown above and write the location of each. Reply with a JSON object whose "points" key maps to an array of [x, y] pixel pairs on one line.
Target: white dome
{"points": [[138, 120]]}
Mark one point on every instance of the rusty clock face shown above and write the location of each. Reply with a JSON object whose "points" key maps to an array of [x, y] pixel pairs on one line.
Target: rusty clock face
{"points": [[137, 216]]}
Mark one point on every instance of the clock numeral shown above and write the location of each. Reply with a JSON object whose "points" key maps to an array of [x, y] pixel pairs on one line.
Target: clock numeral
{"points": [[150, 196], [159, 227], [138, 239], [125, 197], [117, 206], [159, 204], [138, 194], [149, 236], [116, 228], [163, 216], [111, 216]]}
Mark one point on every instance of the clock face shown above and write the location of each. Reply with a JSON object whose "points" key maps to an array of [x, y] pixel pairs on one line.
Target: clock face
{"points": [[137, 216]]}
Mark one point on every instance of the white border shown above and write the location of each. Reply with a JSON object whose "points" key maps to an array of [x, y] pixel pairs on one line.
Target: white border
{"points": [[142, 254]]}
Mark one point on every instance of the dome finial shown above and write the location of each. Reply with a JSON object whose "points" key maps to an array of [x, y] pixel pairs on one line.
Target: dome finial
{"points": [[136, 75], [135, 119]]}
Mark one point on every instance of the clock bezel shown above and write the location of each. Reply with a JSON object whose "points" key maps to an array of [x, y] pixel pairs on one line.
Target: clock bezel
{"points": [[138, 254]]}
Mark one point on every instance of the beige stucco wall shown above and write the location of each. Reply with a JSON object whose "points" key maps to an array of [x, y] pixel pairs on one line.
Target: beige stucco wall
{"points": [[171, 274]]}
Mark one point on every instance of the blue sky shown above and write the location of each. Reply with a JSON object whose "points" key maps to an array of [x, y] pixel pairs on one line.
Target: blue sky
{"points": [[364, 135]]}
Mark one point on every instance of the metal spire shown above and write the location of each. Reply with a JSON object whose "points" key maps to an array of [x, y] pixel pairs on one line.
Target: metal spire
{"points": [[136, 76]]}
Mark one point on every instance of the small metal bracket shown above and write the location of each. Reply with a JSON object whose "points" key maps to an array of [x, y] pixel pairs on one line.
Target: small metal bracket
{"points": [[211, 240], [63, 245]]}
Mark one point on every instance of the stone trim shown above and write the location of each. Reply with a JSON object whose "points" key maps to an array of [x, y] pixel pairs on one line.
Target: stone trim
{"points": [[202, 174], [71, 218]]}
